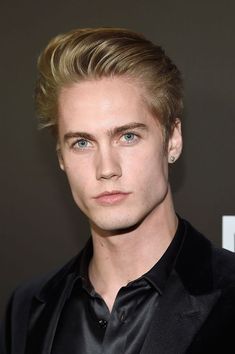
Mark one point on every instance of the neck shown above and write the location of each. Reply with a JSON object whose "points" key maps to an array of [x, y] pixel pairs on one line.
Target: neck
{"points": [[121, 258]]}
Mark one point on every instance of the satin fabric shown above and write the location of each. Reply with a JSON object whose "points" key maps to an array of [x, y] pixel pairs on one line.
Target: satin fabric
{"points": [[195, 314], [86, 326]]}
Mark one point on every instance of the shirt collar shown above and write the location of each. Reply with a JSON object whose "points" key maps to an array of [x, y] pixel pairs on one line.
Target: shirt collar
{"points": [[157, 275], [160, 272]]}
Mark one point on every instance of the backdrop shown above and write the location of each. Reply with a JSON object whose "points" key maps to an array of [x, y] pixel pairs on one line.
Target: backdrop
{"points": [[41, 227]]}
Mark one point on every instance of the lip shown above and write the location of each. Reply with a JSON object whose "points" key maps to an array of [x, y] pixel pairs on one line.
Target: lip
{"points": [[111, 197]]}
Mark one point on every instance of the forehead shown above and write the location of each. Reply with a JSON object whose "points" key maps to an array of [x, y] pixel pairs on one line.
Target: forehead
{"points": [[101, 104]]}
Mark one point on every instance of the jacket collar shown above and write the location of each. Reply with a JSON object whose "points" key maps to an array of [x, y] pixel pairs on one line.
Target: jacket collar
{"points": [[187, 299], [177, 318], [191, 264], [49, 288], [194, 262]]}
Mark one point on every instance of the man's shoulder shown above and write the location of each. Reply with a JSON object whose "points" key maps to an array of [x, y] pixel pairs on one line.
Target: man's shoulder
{"points": [[35, 286], [206, 258], [224, 265], [35, 291]]}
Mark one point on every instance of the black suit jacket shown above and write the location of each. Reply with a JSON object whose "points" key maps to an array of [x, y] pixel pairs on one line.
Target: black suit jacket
{"points": [[196, 313]]}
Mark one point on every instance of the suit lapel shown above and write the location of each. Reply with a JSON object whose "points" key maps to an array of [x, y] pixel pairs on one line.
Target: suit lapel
{"points": [[184, 305], [177, 318], [48, 303], [187, 300], [45, 316]]}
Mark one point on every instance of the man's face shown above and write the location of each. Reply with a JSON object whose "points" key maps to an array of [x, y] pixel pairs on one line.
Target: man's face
{"points": [[112, 150]]}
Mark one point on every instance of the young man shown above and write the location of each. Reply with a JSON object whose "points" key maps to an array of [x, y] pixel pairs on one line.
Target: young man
{"points": [[147, 281]]}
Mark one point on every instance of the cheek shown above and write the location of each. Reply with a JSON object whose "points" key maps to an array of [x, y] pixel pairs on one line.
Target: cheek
{"points": [[149, 166], [152, 183], [78, 177], [79, 185]]}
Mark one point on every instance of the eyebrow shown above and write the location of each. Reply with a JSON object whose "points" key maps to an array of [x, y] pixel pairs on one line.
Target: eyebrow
{"points": [[111, 132]]}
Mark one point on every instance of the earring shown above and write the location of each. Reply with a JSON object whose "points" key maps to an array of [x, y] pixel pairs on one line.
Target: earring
{"points": [[172, 159]]}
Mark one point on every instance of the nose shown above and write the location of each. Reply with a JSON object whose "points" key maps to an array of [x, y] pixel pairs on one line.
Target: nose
{"points": [[108, 163]]}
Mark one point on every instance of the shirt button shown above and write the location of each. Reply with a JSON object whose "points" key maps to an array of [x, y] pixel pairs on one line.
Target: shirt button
{"points": [[122, 317], [103, 323]]}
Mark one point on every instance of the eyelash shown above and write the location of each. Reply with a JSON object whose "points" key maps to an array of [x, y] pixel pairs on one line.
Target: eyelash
{"points": [[74, 145], [135, 137]]}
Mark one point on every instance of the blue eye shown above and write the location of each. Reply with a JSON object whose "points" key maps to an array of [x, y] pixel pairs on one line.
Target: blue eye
{"points": [[82, 144], [129, 137]]}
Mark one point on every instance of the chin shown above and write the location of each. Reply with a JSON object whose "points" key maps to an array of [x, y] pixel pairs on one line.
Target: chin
{"points": [[114, 226]]}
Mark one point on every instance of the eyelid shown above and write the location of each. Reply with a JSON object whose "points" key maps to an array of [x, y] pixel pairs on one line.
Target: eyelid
{"points": [[130, 132], [135, 137], [74, 142]]}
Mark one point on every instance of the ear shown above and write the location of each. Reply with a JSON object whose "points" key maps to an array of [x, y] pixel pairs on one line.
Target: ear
{"points": [[60, 157], [175, 142]]}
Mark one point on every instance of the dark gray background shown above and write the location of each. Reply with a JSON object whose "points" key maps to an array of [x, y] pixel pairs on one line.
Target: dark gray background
{"points": [[40, 225]]}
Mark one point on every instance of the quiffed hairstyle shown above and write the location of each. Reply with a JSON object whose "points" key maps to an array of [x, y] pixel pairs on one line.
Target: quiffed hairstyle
{"points": [[88, 54]]}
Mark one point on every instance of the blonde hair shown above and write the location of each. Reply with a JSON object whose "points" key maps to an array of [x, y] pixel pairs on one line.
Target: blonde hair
{"points": [[86, 54]]}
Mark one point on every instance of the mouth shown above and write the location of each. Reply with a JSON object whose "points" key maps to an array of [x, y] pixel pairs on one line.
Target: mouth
{"points": [[112, 197]]}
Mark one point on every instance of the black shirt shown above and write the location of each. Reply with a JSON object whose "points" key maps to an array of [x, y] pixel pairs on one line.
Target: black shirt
{"points": [[87, 327]]}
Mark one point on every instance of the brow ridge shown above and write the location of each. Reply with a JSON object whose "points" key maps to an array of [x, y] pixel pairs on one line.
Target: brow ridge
{"points": [[111, 132]]}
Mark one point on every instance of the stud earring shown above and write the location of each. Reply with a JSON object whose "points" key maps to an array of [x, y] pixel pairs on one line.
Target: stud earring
{"points": [[172, 159]]}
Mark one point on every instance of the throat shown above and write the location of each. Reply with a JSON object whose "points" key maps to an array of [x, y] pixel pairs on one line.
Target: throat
{"points": [[118, 260]]}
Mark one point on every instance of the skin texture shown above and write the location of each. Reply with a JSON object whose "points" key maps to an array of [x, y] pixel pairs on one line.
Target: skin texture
{"points": [[109, 142]]}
